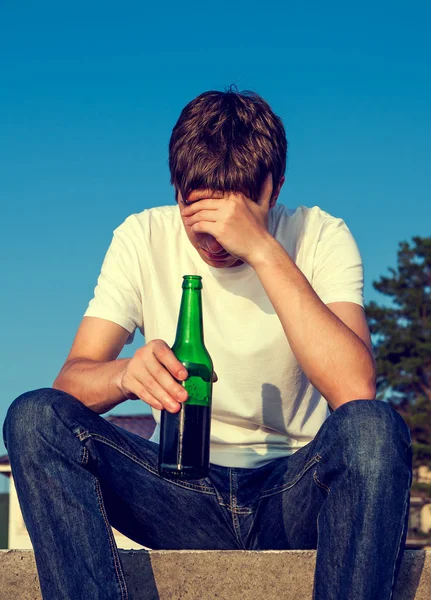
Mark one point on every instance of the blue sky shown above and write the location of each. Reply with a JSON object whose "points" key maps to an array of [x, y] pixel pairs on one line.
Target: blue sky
{"points": [[90, 93]]}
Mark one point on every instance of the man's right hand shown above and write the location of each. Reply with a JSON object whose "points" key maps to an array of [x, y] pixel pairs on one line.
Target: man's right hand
{"points": [[95, 375], [151, 376]]}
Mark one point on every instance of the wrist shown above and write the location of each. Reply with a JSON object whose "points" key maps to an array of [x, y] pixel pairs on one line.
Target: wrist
{"points": [[265, 253], [118, 379]]}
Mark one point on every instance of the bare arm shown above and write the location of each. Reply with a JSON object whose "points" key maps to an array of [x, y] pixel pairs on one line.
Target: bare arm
{"points": [[92, 373], [331, 343]]}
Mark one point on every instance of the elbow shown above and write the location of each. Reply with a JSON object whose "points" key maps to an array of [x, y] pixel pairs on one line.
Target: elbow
{"points": [[63, 383], [60, 380], [365, 386], [364, 389], [63, 380], [368, 393], [371, 383], [57, 383], [358, 384], [361, 392]]}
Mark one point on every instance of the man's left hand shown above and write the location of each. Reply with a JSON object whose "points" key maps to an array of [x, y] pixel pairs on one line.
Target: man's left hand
{"points": [[236, 222]]}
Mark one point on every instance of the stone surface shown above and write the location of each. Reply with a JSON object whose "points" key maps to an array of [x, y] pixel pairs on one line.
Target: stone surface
{"points": [[215, 575]]}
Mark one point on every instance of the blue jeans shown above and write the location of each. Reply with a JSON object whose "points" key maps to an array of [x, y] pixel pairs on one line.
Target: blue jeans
{"points": [[346, 494]]}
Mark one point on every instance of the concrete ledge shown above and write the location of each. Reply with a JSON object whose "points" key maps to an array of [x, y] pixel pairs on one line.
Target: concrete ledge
{"points": [[210, 575]]}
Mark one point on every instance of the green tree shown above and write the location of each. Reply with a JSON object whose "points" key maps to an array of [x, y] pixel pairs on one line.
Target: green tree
{"points": [[401, 333]]}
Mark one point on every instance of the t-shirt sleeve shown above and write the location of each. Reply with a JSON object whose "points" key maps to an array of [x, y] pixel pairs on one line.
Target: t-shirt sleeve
{"points": [[118, 294], [338, 274]]}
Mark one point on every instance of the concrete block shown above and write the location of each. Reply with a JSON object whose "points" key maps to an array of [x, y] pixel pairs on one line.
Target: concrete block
{"points": [[216, 575]]}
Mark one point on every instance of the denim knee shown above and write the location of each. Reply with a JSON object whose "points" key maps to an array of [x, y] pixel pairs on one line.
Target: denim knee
{"points": [[27, 413], [372, 431], [375, 415]]}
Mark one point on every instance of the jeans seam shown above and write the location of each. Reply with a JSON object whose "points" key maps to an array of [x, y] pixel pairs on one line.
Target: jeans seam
{"points": [[320, 483], [114, 550], [290, 484], [84, 457], [238, 510], [406, 501], [84, 435], [233, 500]]}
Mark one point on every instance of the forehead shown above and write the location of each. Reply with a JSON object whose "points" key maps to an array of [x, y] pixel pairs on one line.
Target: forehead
{"points": [[202, 194]]}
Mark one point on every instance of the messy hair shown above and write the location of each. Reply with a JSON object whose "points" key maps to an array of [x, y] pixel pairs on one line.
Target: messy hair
{"points": [[227, 141]]}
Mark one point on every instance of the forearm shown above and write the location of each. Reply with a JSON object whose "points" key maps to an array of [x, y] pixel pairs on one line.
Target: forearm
{"points": [[335, 360], [95, 384]]}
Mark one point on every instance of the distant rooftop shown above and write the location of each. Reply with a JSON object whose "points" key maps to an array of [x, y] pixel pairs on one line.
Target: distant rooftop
{"points": [[142, 425]]}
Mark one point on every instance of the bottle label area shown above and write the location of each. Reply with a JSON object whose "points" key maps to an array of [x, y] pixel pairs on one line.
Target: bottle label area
{"points": [[198, 383], [197, 390]]}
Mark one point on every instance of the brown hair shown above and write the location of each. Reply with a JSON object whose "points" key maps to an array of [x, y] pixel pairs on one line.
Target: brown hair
{"points": [[227, 141]]}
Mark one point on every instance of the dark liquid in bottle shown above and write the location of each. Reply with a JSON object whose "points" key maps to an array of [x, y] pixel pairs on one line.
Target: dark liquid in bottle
{"points": [[184, 437]]}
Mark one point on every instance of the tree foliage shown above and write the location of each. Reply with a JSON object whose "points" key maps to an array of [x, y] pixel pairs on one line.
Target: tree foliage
{"points": [[401, 332]]}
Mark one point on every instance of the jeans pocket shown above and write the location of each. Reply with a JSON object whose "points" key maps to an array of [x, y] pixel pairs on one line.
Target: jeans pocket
{"points": [[289, 484]]}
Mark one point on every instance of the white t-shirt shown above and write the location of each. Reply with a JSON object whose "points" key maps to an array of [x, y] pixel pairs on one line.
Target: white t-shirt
{"points": [[263, 406]]}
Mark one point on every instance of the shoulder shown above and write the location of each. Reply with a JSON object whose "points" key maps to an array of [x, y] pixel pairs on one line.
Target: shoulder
{"points": [[297, 218], [302, 227], [152, 221]]}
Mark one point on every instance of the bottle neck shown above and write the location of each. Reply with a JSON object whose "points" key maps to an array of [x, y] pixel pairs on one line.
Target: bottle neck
{"points": [[190, 327]]}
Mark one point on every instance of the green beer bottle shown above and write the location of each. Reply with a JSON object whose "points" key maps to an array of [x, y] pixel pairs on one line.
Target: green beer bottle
{"points": [[185, 435]]}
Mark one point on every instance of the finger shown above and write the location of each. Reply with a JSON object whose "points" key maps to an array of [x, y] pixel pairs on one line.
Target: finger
{"points": [[166, 357], [151, 401], [206, 227], [151, 390], [207, 204], [215, 378], [202, 215], [140, 392], [164, 378]]}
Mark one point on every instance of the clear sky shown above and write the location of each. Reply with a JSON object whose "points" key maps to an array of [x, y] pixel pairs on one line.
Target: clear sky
{"points": [[90, 91]]}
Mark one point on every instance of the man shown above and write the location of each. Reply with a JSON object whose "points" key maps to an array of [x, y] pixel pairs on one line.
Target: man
{"points": [[302, 455]]}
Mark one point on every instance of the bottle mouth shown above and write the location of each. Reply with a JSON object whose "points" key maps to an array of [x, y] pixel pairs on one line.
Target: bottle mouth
{"points": [[192, 282]]}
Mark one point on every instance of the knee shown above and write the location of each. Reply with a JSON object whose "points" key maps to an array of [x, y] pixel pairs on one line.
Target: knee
{"points": [[373, 431], [30, 412]]}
